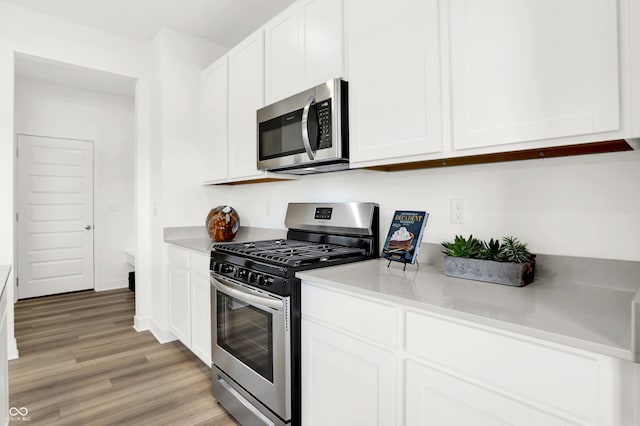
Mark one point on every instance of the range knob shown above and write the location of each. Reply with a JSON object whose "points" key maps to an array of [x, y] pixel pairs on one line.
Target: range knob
{"points": [[216, 267], [241, 273], [260, 279], [226, 268]]}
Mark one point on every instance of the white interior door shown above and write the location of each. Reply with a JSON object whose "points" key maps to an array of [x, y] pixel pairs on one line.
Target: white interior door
{"points": [[55, 216]]}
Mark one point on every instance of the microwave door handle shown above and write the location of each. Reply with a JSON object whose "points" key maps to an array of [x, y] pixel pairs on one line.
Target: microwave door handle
{"points": [[305, 128]]}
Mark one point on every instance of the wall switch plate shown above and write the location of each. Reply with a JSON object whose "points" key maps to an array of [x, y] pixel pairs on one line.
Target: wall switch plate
{"points": [[457, 210]]}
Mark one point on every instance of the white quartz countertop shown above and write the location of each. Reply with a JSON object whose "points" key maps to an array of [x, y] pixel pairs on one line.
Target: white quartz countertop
{"points": [[196, 237], [553, 307], [4, 275]]}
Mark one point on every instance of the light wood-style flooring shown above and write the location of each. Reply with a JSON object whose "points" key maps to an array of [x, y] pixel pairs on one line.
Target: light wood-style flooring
{"points": [[82, 363]]}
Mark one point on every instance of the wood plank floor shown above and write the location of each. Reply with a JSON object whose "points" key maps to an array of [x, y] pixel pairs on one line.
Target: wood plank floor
{"points": [[82, 363]]}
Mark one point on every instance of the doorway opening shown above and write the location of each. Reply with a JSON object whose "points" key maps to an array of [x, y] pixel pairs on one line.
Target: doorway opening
{"points": [[75, 184]]}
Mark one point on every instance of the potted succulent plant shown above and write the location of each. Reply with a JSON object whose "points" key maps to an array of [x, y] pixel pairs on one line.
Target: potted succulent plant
{"points": [[509, 262]]}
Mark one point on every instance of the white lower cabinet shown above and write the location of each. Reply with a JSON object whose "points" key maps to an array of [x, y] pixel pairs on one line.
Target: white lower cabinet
{"points": [[345, 381], [189, 300], [179, 323], [438, 370], [200, 316], [435, 397]]}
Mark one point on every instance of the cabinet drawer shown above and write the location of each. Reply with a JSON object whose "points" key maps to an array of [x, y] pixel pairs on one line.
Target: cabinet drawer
{"points": [[200, 263], [364, 318], [561, 380], [178, 256]]}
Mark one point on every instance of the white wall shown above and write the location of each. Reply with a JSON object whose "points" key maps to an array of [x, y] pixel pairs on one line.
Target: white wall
{"points": [[47, 109], [181, 60], [177, 199], [576, 206]]}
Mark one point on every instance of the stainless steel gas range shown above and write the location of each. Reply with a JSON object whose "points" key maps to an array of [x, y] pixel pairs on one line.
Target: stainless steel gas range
{"points": [[255, 305]]}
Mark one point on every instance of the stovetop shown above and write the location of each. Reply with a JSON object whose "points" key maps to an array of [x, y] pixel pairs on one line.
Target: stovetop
{"points": [[290, 253], [319, 235], [271, 265]]}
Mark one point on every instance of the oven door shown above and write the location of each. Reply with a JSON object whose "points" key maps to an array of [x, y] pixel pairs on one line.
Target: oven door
{"points": [[251, 343]]}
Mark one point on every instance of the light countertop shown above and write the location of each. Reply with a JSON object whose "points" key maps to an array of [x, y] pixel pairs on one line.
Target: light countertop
{"points": [[196, 237], [4, 276], [555, 307]]}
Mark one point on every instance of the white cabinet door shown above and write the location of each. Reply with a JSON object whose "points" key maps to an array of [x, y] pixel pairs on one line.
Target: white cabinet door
{"points": [[179, 303], [246, 95], [344, 380], [322, 41], [201, 317], [393, 67], [303, 47], [434, 397], [282, 55], [525, 70], [213, 122]]}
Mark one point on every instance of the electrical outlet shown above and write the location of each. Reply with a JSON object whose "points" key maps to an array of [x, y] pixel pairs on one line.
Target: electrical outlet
{"points": [[457, 210]]}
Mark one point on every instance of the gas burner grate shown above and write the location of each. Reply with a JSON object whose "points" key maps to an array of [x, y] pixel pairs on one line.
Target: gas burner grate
{"points": [[291, 252]]}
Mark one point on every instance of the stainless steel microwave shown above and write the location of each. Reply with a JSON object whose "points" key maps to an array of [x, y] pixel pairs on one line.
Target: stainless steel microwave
{"points": [[307, 132]]}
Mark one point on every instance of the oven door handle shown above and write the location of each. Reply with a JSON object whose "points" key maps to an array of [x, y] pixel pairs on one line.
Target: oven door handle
{"points": [[239, 293]]}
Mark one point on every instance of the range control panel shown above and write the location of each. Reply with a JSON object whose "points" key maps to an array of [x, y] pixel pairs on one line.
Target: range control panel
{"points": [[249, 276], [323, 213]]}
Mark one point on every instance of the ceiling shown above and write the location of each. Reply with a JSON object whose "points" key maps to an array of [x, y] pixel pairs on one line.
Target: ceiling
{"points": [[222, 21]]}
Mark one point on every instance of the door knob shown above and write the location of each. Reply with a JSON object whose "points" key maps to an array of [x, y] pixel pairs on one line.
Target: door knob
{"points": [[88, 227]]}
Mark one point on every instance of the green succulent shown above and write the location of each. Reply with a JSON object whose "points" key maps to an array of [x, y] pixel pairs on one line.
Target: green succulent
{"points": [[491, 250], [461, 247], [510, 250], [515, 251]]}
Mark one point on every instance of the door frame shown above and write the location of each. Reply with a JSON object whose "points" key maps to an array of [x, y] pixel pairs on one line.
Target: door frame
{"points": [[16, 198]]}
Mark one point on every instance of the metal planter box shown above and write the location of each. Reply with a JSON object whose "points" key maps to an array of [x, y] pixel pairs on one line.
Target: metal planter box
{"points": [[514, 274]]}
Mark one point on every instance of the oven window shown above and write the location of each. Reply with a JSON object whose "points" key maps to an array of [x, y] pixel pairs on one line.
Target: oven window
{"points": [[246, 333]]}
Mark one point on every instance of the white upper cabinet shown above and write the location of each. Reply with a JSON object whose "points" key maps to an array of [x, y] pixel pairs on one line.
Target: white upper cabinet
{"points": [[322, 41], [282, 59], [213, 122], [393, 67], [246, 96], [304, 47], [528, 70]]}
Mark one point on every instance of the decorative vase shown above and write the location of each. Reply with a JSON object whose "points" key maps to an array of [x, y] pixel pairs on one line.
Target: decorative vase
{"points": [[223, 223]]}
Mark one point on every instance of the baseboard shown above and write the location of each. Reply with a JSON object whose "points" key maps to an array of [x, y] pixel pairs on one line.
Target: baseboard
{"points": [[146, 324], [12, 350], [112, 285], [203, 356], [162, 336], [141, 324]]}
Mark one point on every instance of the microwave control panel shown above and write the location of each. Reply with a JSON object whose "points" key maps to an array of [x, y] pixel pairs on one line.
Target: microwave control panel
{"points": [[323, 110]]}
